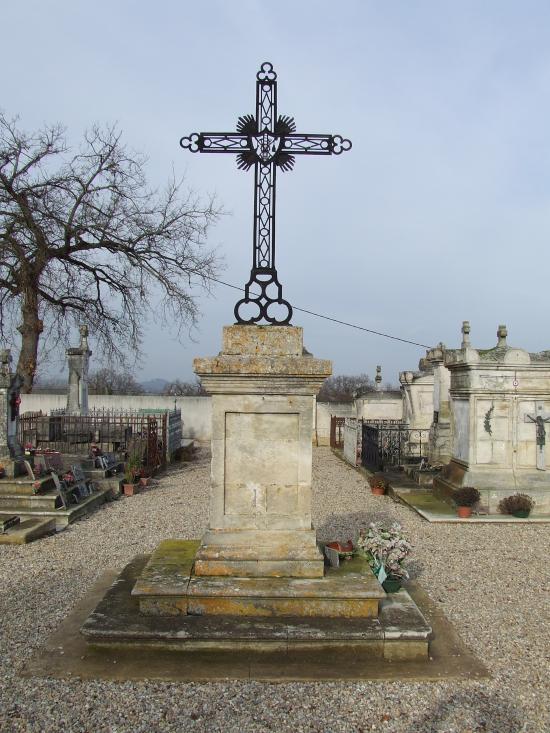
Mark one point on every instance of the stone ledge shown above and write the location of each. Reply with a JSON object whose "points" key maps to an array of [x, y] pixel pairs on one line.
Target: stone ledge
{"points": [[401, 632]]}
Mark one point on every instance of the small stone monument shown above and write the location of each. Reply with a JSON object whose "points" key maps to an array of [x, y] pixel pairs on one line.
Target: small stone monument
{"points": [[500, 406], [78, 359], [11, 452], [257, 580]]}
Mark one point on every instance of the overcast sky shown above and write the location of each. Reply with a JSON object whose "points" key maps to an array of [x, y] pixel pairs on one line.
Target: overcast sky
{"points": [[439, 213]]}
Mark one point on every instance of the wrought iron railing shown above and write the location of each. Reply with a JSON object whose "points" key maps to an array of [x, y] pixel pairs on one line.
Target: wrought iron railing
{"points": [[384, 446], [156, 436]]}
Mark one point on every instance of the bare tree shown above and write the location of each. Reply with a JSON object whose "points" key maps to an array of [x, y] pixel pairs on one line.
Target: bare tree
{"points": [[185, 389], [83, 239], [344, 387], [109, 381]]}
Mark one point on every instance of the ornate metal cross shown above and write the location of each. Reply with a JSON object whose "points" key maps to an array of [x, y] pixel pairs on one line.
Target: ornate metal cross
{"points": [[540, 418], [267, 142]]}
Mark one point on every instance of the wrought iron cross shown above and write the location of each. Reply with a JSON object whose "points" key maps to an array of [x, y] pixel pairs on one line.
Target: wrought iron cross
{"points": [[267, 142], [540, 418]]}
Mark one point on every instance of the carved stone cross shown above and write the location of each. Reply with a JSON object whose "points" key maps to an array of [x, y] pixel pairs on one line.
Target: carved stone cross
{"points": [[540, 418]]}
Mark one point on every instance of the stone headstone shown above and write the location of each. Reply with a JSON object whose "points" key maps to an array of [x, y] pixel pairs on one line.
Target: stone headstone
{"points": [[78, 359]]}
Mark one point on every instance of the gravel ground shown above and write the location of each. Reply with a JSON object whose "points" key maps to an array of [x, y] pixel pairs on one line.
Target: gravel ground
{"points": [[491, 581]]}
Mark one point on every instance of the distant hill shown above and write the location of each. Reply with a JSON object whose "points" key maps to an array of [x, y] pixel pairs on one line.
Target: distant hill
{"points": [[155, 386]]}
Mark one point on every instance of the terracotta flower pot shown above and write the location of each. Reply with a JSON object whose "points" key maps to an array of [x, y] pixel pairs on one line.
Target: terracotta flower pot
{"points": [[130, 489], [464, 511], [378, 490], [144, 480]]}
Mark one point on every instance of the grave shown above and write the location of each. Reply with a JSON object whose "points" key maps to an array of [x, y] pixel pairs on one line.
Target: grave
{"points": [[256, 580], [500, 406]]}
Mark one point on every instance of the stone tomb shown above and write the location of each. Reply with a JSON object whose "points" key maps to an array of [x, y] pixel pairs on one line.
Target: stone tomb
{"points": [[500, 408], [257, 577], [78, 359]]}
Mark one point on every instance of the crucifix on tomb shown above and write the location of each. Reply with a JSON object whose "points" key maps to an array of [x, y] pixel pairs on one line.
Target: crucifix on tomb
{"points": [[540, 418], [266, 141]]}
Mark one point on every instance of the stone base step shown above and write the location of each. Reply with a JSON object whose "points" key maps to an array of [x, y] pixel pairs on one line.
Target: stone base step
{"points": [[25, 487], [399, 633], [20, 503], [27, 531], [62, 517], [169, 586]]}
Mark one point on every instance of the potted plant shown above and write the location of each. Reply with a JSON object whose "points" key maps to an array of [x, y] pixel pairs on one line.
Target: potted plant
{"points": [[465, 498], [130, 486], [519, 505], [144, 476], [377, 484], [386, 550]]}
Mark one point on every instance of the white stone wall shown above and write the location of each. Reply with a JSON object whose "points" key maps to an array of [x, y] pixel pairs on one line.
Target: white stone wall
{"points": [[322, 419], [379, 406], [196, 412]]}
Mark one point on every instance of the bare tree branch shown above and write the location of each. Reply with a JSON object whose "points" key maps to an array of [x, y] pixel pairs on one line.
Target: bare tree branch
{"points": [[83, 238]]}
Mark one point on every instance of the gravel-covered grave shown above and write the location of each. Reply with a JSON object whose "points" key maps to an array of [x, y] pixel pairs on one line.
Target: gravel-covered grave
{"points": [[491, 581]]}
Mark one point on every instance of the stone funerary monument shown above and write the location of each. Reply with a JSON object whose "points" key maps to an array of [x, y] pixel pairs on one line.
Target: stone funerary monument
{"points": [[257, 578]]}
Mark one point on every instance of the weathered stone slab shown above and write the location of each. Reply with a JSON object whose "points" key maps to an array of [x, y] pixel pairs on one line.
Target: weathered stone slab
{"points": [[116, 622]]}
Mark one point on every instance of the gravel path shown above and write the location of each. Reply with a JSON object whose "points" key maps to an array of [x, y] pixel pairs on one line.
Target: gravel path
{"points": [[491, 581]]}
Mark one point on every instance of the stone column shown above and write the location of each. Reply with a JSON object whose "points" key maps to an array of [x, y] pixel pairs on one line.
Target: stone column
{"points": [[263, 391], [78, 359], [440, 431], [10, 385]]}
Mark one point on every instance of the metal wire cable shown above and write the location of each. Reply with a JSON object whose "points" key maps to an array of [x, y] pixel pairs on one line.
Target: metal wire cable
{"points": [[329, 318]]}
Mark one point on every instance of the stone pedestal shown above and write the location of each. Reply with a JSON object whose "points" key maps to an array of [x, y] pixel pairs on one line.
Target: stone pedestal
{"points": [[263, 390], [259, 555]]}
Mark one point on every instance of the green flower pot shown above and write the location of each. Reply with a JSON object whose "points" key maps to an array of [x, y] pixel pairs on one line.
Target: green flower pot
{"points": [[522, 514], [391, 585]]}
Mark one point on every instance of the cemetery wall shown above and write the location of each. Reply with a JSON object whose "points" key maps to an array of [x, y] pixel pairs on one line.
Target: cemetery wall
{"points": [[322, 422], [196, 411]]}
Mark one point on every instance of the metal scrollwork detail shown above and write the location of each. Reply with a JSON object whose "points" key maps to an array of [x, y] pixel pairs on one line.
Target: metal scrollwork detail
{"points": [[191, 142], [266, 72], [263, 301], [340, 144]]}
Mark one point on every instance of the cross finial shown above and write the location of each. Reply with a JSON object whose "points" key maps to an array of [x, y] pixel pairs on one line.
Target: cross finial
{"points": [[502, 332], [465, 334]]}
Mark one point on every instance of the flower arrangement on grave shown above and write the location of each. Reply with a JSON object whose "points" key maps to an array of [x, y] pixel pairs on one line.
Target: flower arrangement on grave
{"points": [[465, 498], [386, 549], [520, 505], [68, 477], [2, 471], [378, 484]]}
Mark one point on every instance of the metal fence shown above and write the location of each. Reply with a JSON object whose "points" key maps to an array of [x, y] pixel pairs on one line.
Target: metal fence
{"points": [[386, 445], [153, 434], [337, 431]]}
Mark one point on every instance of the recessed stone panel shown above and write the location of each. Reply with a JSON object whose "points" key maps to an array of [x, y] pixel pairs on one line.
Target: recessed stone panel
{"points": [[261, 463]]}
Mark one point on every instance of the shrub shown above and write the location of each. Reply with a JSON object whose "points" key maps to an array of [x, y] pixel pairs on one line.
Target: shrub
{"points": [[516, 503], [466, 496], [385, 545]]}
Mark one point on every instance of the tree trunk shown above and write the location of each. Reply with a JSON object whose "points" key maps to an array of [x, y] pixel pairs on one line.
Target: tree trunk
{"points": [[30, 331]]}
